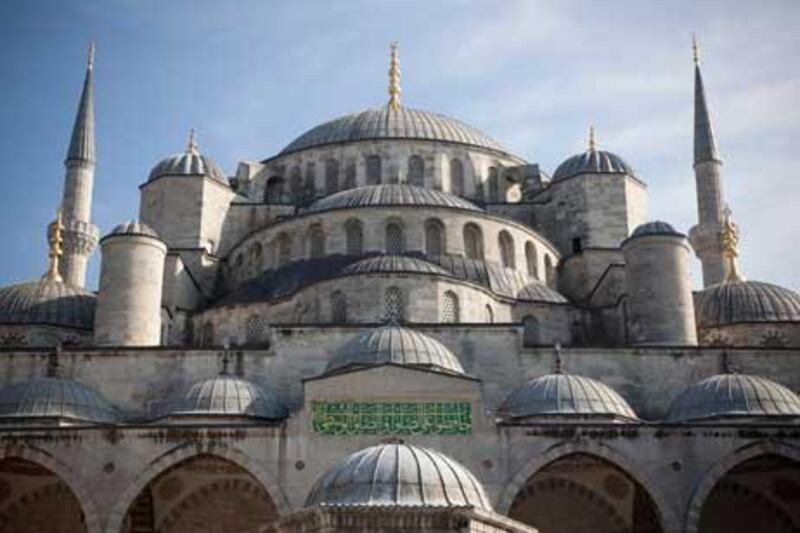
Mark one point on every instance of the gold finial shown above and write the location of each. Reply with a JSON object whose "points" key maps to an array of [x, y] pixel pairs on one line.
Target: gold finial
{"points": [[394, 79], [55, 239], [191, 145], [730, 246], [559, 366], [90, 59], [695, 50], [592, 141]]}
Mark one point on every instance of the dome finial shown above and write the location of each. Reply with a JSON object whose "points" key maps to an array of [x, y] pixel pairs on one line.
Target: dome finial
{"points": [[191, 144], [559, 366], [394, 79], [730, 246], [90, 56], [55, 240], [695, 50], [592, 140]]}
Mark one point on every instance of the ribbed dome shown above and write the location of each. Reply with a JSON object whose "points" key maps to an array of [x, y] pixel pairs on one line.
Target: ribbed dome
{"points": [[398, 475], [394, 263], [391, 195], [47, 302], [188, 163], [398, 345], [54, 398], [386, 123], [734, 302], [134, 227], [565, 395], [592, 162], [734, 395], [656, 227], [226, 395]]}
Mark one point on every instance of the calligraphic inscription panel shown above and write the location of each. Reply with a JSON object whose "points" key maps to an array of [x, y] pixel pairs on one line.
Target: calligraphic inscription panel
{"points": [[391, 418]]}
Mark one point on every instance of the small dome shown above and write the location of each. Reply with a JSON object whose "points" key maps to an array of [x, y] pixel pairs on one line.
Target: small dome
{"points": [[592, 162], [398, 475], [656, 227], [226, 395], [398, 345], [133, 227], [735, 302], [566, 395], [734, 395], [390, 195], [54, 398], [387, 123], [189, 163], [539, 292], [394, 263], [47, 302]]}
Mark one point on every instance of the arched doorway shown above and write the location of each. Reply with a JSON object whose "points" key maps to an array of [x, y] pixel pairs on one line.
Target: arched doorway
{"points": [[759, 494], [201, 494], [582, 493], [35, 500]]}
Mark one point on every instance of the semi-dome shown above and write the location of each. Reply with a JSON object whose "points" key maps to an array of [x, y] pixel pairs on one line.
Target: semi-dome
{"points": [[398, 475], [592, 162], [398, 345], [134, 227], [391, 195], [54, 398], [388, 123], [566, 395], [734, 395], [394, 263], [189, 163], [47, 302], [738, 301], [655, 227], [226, 395]]}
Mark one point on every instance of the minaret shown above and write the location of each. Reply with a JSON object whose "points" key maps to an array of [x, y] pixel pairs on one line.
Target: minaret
{"points": [[705, 236], [80, 235]]}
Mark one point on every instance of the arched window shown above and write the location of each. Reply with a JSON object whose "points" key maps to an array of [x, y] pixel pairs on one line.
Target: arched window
{"points": [[416, 171], [457, 177], [331, 176], [494, 185], [451, 313], [395, 241], [473, 241], [354, 235], [532, 260], [506, 244], [284, 249], [373, 170], [350, 175], [255, 254], [310, 188], [273, 192], [394, 304], [434, 237], [338, 307], [296, 185], [549, 272], [254, 330], [316, 239], [489, 314], [530, 331]]}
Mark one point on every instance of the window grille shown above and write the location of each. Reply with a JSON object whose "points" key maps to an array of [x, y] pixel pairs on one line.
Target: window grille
{"points": [[331, 176], [450, 308], [434, 238], [394, 238], [416, 171], [394, 304], [355, 238], [338, 307], [255, 329]]}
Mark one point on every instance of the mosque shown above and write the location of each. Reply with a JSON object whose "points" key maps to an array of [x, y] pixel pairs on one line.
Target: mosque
{"points": [[396, 324]]}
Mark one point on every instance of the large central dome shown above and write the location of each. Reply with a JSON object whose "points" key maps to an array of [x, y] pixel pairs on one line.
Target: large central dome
{"points": [[387, 123]]}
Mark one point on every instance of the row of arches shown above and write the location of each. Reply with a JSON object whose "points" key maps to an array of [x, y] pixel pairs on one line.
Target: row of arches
{"points": [[564, 491], [300, 188]]}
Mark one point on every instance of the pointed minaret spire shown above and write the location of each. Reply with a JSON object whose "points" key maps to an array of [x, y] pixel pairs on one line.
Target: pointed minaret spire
{"points": [[705, 144], [394, 79], [81, 145]]}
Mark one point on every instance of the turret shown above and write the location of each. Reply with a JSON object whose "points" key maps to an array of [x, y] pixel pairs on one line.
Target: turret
{"points": [[705, 236], [660, 305], [80, 235], [131, 280]]}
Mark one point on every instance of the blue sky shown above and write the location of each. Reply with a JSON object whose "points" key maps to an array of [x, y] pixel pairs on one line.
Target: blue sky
{"points": [[252, 75]]}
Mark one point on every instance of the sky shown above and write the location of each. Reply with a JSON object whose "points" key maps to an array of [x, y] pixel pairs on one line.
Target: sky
{"points": [[251, 76]]}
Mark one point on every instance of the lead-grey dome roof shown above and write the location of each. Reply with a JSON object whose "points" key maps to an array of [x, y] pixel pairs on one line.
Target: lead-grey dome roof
{"points": [[188, 163], [655, 227], [394, 263], [592, 162], [391, 195], [226, 395], [387, 123], [54, 398], [134, 227], [734, 302], [566, 395], [398, 345], [734, 395], [398, 475], [47, 302]]}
